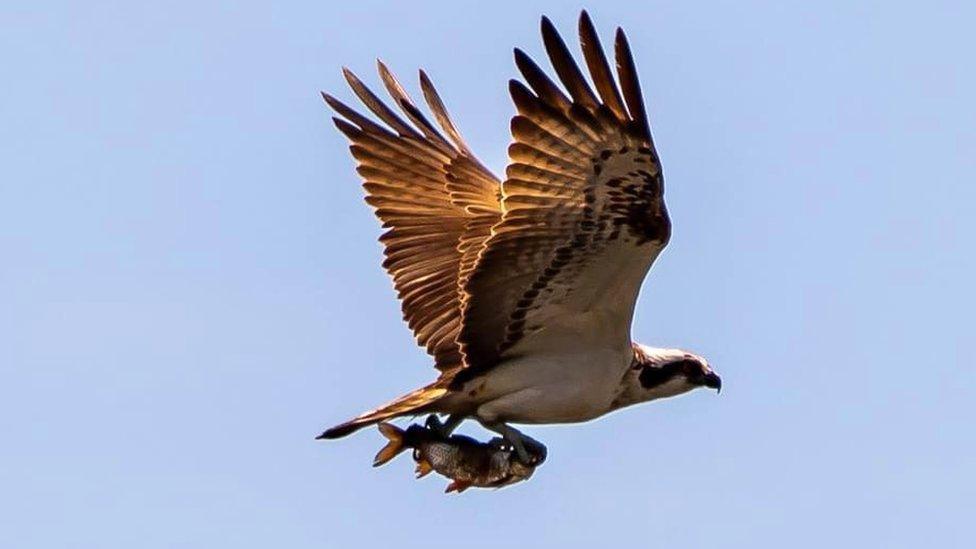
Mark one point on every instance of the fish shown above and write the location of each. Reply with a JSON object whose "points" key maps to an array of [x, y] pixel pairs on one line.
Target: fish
{"points": [[462, 459]]}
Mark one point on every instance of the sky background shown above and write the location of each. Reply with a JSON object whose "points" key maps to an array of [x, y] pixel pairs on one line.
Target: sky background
{"points": [[190, 286]]}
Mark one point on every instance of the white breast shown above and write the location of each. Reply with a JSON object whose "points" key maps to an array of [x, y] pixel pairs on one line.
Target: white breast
{"points": [[563, 388], [569, 365]]}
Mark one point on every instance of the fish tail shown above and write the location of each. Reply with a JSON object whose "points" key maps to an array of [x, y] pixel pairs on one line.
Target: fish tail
{"points": [[393, 448]]}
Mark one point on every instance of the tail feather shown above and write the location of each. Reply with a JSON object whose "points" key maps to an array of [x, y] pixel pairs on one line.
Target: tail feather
{"points": [[392, 448], [409, 404], [343, 429]]}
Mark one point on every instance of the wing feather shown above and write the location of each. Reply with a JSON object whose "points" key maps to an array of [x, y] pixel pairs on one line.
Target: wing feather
{"points": [[440, 112], [627, 72], [584, 215], [540, 82], [566, 68], [596, 61], [436, 199]]}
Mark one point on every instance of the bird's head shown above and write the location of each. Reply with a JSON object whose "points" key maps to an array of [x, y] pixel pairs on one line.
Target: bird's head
{"points": [[661, 373]]}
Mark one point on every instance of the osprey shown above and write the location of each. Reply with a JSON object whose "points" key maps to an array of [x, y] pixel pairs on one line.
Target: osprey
{"points": [[523, 289]]}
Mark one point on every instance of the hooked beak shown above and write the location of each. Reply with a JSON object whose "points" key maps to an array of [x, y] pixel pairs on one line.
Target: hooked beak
{"points": [[712, 381]]}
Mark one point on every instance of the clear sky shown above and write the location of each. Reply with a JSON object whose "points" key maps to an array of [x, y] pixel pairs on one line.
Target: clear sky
{"points": [[190, 286]]}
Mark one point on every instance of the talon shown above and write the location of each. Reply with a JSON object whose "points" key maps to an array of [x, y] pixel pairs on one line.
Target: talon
{"points": [[434, 423], [499, 443], [519, 442], [522, 454], [530, 458], [537, 451], [443, 429]]}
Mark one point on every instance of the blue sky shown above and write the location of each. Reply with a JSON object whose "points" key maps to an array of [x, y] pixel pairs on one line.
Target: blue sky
{"points": [[191, 289]]}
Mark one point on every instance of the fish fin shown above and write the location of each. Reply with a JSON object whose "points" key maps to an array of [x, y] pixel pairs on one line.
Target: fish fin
{"points": [[423, 468], [393, 448], [457, 486]]}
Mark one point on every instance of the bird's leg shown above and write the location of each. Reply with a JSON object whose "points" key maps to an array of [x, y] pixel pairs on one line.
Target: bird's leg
{"points": [[443, 429], [528, 450]]}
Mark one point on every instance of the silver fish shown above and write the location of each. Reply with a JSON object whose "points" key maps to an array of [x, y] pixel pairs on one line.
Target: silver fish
{"points": [[464, 460]]}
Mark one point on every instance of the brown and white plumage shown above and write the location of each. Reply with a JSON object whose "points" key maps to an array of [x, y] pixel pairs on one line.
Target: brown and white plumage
{"points": [[435, 197], [583, 186], [522, 290]]}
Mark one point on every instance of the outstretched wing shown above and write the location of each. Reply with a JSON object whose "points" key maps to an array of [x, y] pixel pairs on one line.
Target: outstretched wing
{"points": [[584, 213], [437, 200]]}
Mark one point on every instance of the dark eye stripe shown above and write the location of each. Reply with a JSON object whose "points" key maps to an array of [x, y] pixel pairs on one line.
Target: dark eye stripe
{"points": [[689, 366], [652, 377]]}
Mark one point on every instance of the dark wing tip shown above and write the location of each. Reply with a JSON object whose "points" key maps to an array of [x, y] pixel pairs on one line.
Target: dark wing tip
{"points": [[514, 83], [524, 62], [566, 68], [630, 85], [584, 21], [549, 32], [600, 73], [351, 78], [524, 99], [585, 18], [383, 69], [331, 101], [539, 82], [349, 130]]}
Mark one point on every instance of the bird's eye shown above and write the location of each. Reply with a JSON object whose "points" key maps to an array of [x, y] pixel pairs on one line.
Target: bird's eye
{"points": [[689, 367]]}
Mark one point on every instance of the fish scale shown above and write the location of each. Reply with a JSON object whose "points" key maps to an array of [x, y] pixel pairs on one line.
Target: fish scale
{"points": [[464, 460]]}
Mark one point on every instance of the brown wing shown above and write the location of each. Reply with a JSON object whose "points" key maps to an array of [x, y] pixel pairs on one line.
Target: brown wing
{"points": [[437, 200], [584, 214]]}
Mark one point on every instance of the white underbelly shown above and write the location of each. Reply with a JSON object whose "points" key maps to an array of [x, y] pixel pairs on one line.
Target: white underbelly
{"points": [[550, 389], [569, 364]]}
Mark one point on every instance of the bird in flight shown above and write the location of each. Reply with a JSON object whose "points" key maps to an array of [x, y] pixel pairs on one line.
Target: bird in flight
{"points": [[523, 289]]}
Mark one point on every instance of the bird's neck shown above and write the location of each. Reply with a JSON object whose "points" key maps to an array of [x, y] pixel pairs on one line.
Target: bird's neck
{"points": [[631, 391]]}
